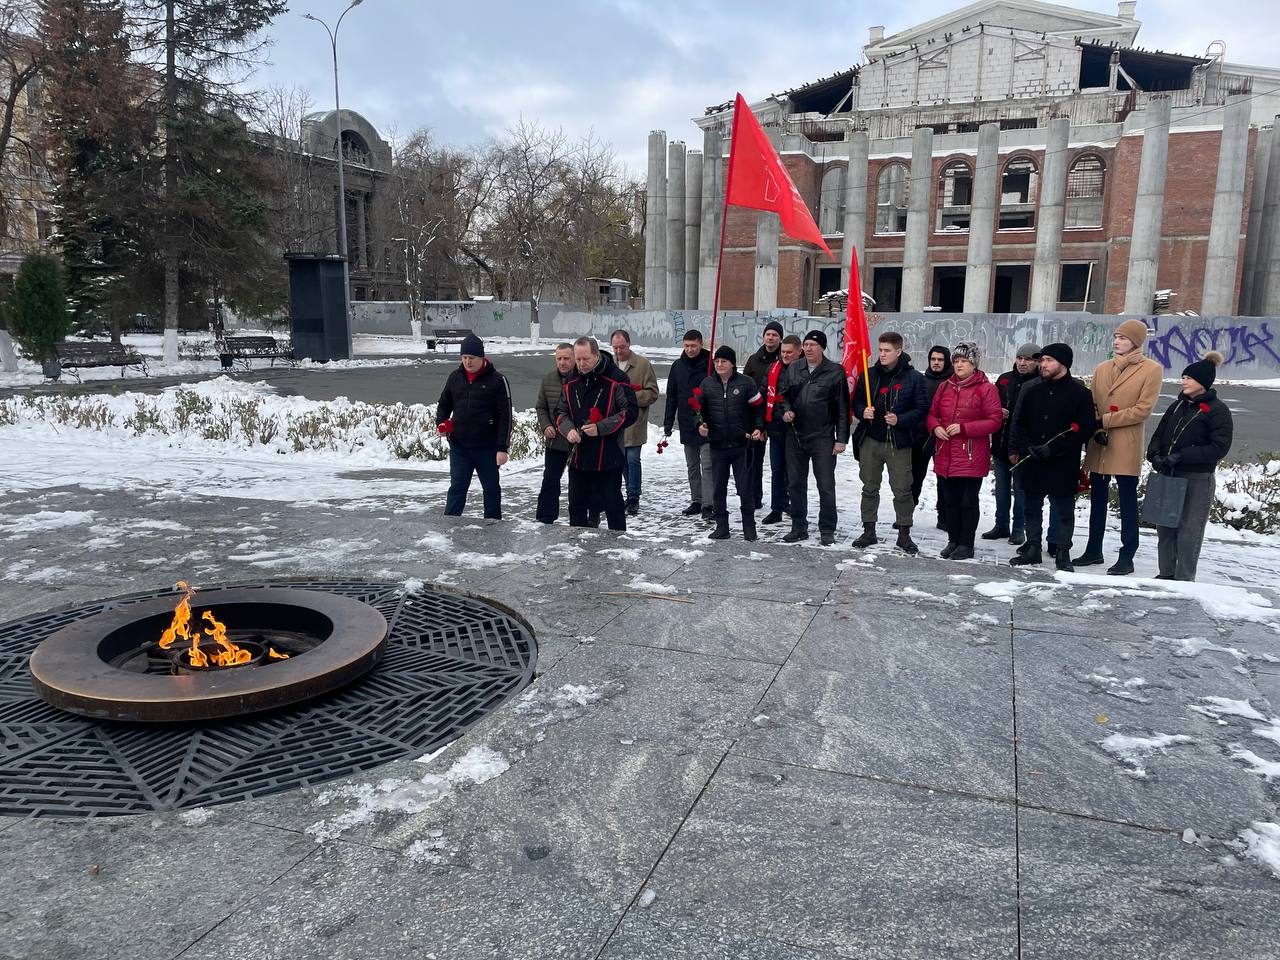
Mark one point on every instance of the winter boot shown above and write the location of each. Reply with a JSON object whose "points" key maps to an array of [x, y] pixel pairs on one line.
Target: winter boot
{"points": [[633, 506], [721, 532], [1122, 567], [774, 516], [1029, 555], [828, 537], [1063, 561], [962, 552], [948, 550], [708, 515], [749, 526], [905, 543], [868, 536], [692, 510], [797, 534], [1090, 558], [1018, 538], [998, 532]]}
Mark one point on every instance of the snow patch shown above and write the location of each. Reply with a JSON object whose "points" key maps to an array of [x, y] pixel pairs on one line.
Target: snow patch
{"points": [[1218, 707], [641, 585], [48, 520], [1194, 646], [196, 817], [1134, 751], [685, 556], [1267, 769], [1261, 844]]}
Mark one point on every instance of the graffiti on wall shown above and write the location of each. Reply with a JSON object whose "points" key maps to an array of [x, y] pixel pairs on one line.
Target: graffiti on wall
{"points": [[1177, 341]]}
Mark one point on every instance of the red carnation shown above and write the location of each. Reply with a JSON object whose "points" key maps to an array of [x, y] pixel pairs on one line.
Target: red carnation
{"points": [[697, 391], [445, 427], [1003, 381], [693, 402], [1204, 408], [1114, 408], [595, 416], [897, 386], [883, 391], [1075, 428]]}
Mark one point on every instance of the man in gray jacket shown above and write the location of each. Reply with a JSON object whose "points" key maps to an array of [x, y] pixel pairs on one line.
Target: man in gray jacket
{"points": [[640, 372], [556, 455]]}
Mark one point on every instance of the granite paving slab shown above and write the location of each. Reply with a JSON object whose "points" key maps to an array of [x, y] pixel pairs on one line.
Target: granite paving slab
{"points": [[1075, 693], [761, 570], [137, 887], [836, 863], [1090, 890], [642, 938]]}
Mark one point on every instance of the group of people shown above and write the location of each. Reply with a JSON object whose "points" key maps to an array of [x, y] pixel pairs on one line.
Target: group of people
{"points": [[792, 405]]}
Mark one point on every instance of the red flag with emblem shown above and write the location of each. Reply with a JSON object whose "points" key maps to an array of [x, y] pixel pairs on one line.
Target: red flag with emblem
{"points": [[857, 336], [758, 180]]}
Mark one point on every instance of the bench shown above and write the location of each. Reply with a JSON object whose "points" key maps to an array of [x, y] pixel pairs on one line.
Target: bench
{"points": [[243, 349], [443, 335], [76, 355]]}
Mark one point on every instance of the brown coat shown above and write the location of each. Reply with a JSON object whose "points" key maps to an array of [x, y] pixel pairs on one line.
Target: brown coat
{"points": [[1130, 385], [640, 372]]}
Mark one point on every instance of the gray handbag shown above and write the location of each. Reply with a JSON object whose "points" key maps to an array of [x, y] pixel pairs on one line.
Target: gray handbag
{"points": [[1162, 505]]}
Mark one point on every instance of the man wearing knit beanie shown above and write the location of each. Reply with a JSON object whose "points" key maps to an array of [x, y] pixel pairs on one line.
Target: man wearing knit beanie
{"points": [[1125, 390], [732, 416], [757, 368], [474, 413]]}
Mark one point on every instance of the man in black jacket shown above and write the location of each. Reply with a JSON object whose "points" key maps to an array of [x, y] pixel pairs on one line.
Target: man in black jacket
{"points": [[816, 405], [780, 433], [474, 412], [596, 407], [1053, 420], [732, 409], [1009, 496], [688, 371], [923, 446], [757, 368], [884, 436]]}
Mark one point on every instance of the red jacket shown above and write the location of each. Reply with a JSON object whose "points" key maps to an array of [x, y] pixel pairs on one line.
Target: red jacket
{"points": [[975, 405]]}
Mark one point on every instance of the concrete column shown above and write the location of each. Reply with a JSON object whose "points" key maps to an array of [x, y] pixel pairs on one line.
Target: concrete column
{"points": [[675, 225], [362, 234], [915, 257], [855, 207], [1266, 284], [1252, 242], [655, 224], [1148, 212], [982, 220], [8, 358], [692, 226], [712, 216], [1046, 270], [1219, 295]]}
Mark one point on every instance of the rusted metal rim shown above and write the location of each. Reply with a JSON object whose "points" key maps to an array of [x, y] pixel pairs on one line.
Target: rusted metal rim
{"points": [[70, 670]]}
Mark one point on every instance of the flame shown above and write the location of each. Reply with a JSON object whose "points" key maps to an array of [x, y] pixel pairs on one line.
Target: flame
{"points": [[224, 654], [271, 652]]}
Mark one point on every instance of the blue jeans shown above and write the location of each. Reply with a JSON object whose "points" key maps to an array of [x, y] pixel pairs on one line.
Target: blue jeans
{"points": [[1008, 489], [632, 472], [779, 502], [1099, 497], [463, 461]]}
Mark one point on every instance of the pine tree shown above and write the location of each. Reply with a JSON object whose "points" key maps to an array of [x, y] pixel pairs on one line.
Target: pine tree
{"points": [[36, 312]]}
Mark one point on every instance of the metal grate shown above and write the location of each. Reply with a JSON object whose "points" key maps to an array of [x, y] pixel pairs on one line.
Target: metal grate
{"points": [[449, 660]]}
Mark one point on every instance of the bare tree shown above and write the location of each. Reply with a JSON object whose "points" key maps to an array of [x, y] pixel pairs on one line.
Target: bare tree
{"points": [[300, 206], [21, 160]]}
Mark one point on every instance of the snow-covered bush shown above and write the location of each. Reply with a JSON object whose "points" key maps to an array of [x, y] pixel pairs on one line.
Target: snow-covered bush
{"points": [[247, 416], [1248, 495]]}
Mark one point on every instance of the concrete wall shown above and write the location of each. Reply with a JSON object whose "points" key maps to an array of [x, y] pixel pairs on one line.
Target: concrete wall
{"points": [[1251, 345]]}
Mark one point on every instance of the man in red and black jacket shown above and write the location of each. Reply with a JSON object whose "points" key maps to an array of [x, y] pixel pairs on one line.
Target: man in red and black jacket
{"points": [[778, 432], [474, 412], [597, 405]]}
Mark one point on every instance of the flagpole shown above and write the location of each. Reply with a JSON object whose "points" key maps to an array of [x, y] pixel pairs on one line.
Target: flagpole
{"points": [[724, 224]]}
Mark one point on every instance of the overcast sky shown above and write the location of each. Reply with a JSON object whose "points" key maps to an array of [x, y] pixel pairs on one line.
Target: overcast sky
{"points": [[467, 70]]}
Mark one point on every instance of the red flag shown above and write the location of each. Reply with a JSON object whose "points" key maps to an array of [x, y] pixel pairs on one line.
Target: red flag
{"points": [[857, 336], [758, 180]]}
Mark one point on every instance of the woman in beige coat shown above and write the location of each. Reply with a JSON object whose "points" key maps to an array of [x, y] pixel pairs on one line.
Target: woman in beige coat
{"points": [[1125, 390]]}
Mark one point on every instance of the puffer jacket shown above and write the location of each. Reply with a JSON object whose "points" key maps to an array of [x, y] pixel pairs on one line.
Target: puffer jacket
{"points": [[975, 405], [479, 408], [901, 391], [684, 376], [731, 409], [1203, 436], [604, 397]]}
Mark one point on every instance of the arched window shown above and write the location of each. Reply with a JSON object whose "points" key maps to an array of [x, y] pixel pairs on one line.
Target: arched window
{"points": [[831, 202], [1018, 194], [354, 149], [891, 199], [955, 196], [1085, 182]]}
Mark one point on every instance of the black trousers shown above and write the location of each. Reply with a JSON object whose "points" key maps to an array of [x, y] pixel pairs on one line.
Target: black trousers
{"points": [[759, 453], [553, 467], [593, 492], [801, 455], [1063, 507], [959, 495], [722, 462], [921, 454], [483, 462]]}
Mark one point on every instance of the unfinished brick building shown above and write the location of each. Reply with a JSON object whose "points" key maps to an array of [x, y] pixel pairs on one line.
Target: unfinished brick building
{"points": [[1010, 156]]}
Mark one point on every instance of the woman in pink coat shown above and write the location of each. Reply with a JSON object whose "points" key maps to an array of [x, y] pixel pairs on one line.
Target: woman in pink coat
{"points": [[964, 414]]}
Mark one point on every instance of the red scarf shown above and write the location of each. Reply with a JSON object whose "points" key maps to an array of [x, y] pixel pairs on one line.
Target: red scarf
{"points": [[471, 377], [771, 390]]}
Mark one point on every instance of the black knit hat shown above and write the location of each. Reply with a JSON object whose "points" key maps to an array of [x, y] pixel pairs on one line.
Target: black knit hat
{"points": [[473, 346], [818, 337], [726, 352], [776, 327], [1060, 352], [1205, 371]]}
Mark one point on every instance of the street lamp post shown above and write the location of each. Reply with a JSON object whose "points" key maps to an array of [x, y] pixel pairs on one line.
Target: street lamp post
{"points": [[337, 128]]}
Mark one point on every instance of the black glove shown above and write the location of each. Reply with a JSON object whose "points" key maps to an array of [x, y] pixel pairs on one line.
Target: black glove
{"points": [[1040, 451], [1172, 460], [1101, 438], [1159, 463]]}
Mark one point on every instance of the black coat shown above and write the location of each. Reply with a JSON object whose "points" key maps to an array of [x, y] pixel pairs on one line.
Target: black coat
{"points": [[820, 400], [607, 391], [904, 393], [1009, 386], [480, 409], [758, 364], [1203, 436], [684, 376], [1044, 415], [731, 410]]}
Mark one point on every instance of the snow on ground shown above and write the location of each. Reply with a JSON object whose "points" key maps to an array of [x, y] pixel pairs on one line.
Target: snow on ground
{"points": [[1261, 844], [1134, 752]]}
